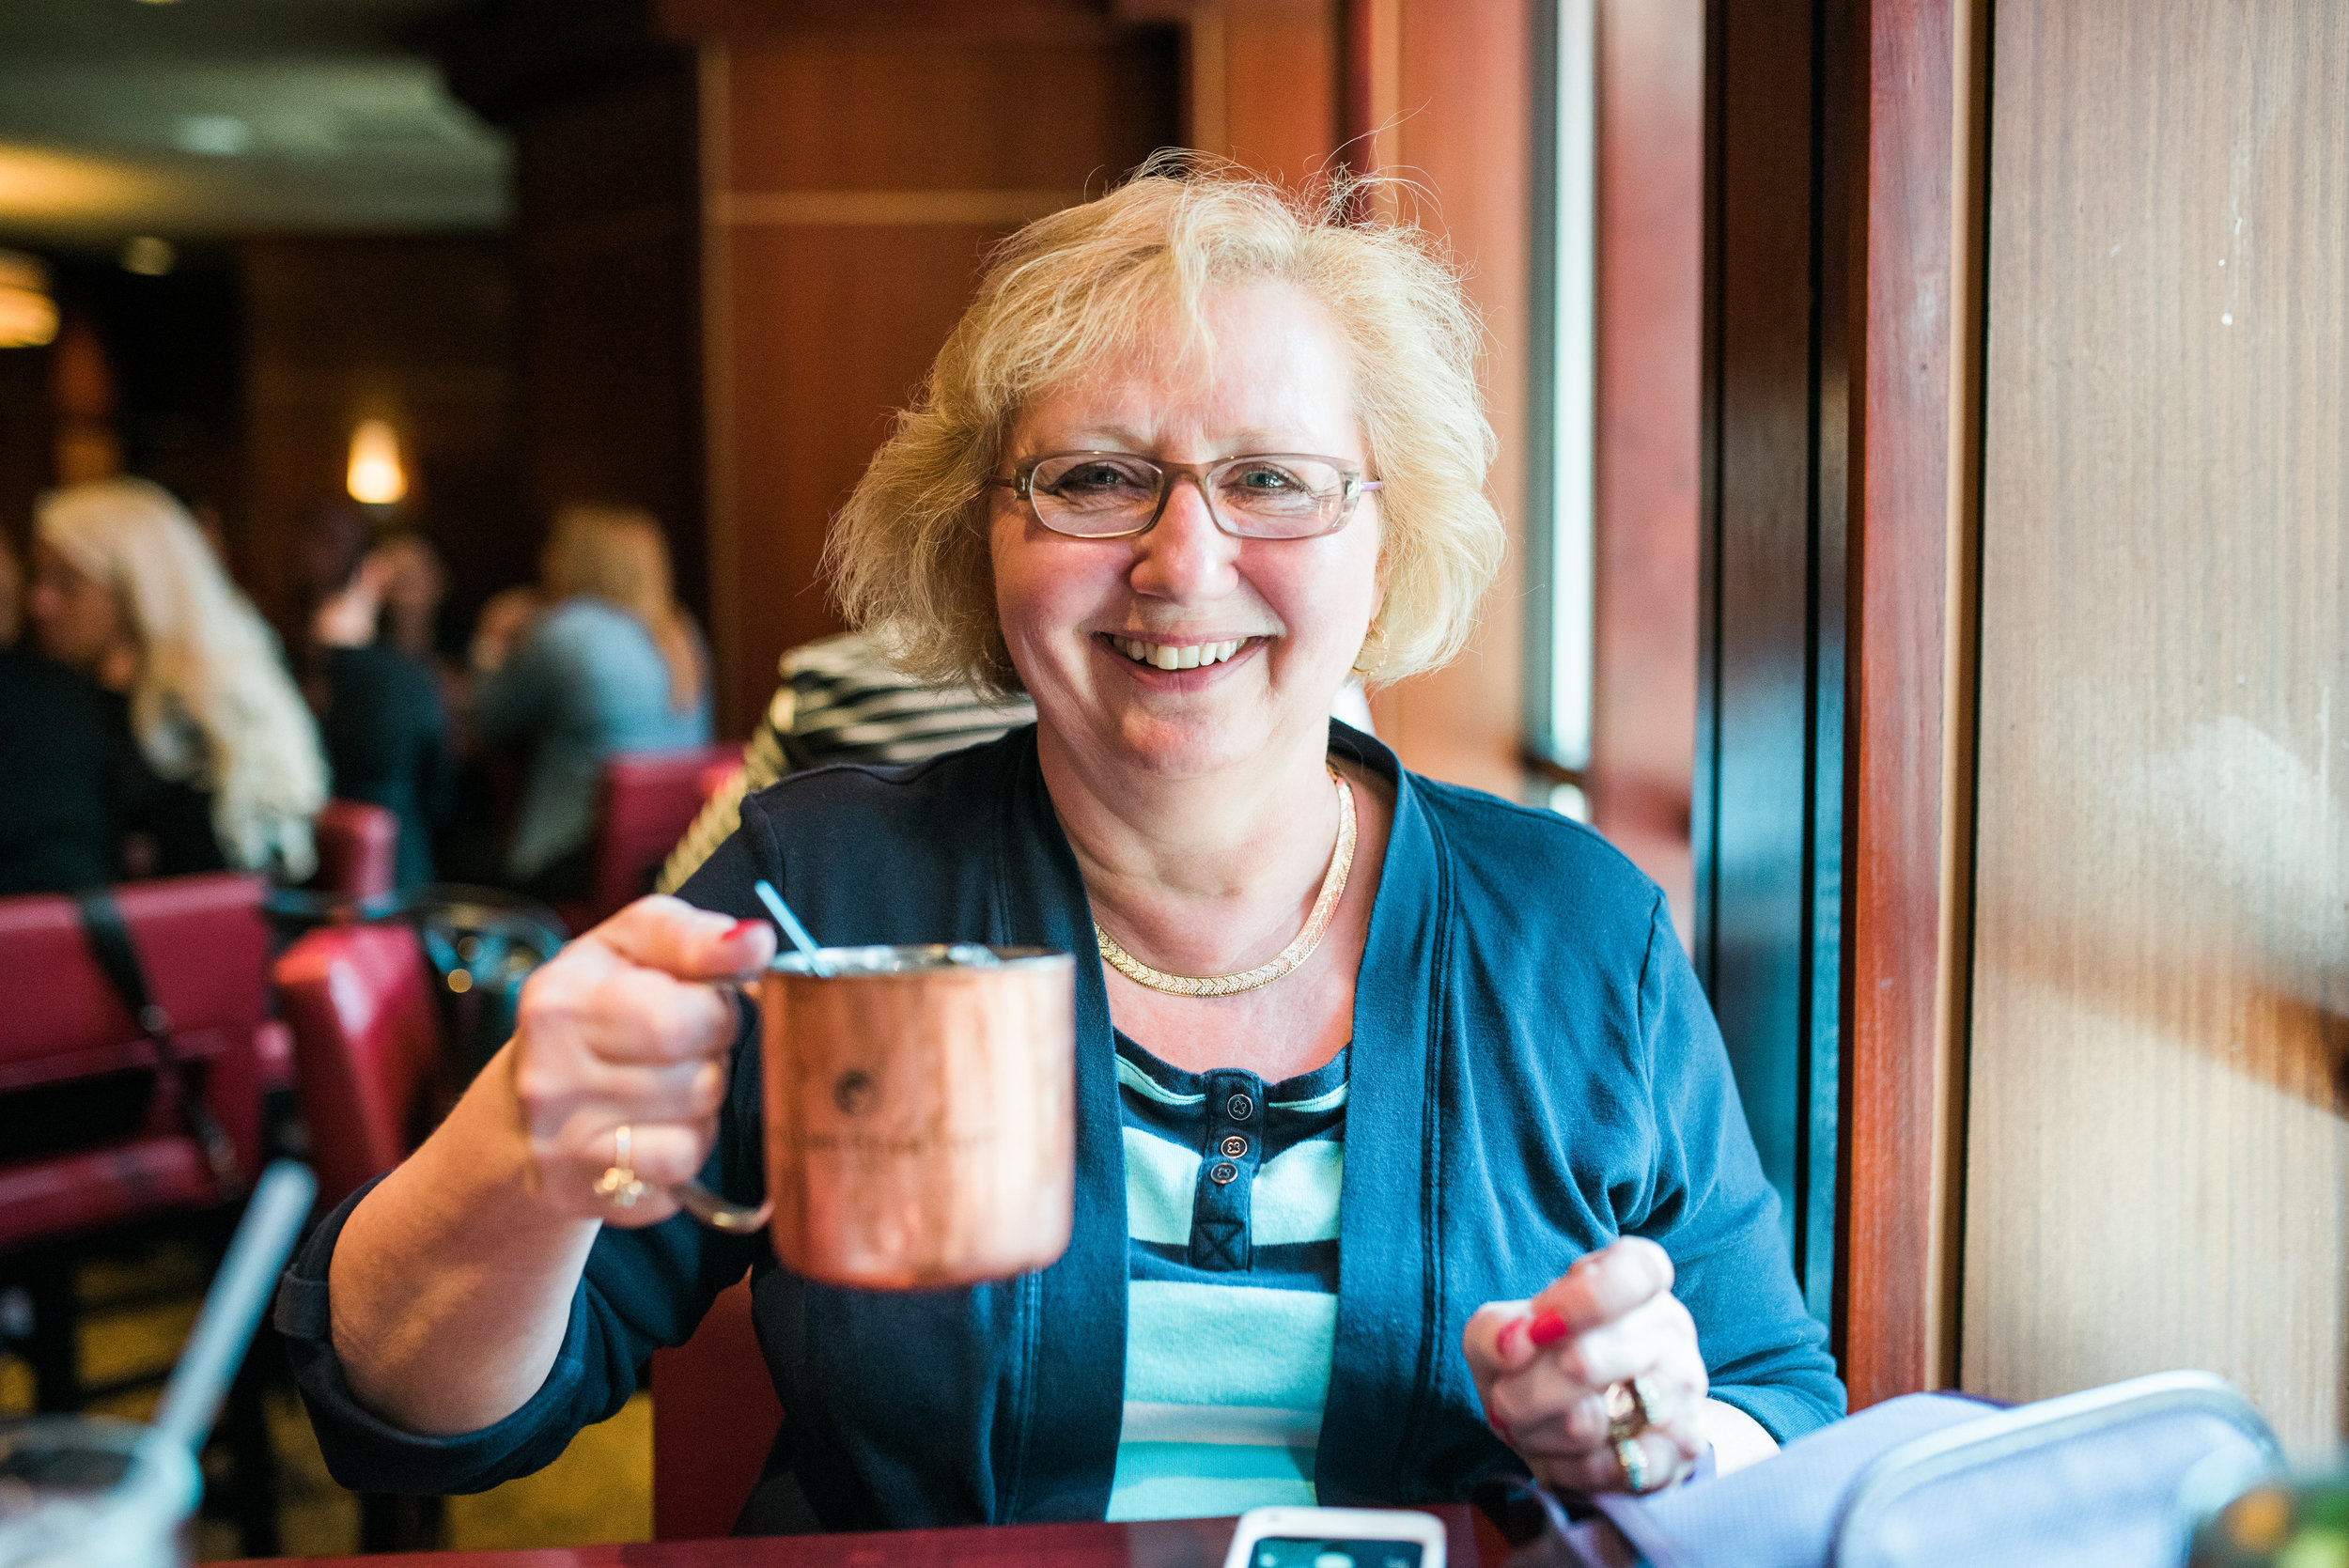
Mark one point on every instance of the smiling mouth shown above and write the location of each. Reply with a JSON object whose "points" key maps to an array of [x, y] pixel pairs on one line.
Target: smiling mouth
{"points": [[1176, 655]]}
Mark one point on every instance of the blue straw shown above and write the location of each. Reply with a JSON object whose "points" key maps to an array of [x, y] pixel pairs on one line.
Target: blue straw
{"points": [[788, 921], [233, 1308]]}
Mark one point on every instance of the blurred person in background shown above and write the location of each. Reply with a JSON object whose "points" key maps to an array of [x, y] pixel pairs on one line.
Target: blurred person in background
{"points": [[414, 584], [378, 706], [840, 700], [127, 592], [602, 660], [63, 769]]}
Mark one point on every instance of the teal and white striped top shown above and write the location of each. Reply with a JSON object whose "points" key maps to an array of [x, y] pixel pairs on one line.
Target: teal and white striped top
{"points": [[1231, 1221]]}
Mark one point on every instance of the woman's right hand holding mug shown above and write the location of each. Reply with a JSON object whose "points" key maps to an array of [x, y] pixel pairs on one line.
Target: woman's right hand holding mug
{"points": [[624, 1030], [452, 1282]]}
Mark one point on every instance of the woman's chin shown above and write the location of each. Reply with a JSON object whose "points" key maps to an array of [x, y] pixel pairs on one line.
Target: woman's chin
{"points": [[1153, 741]]}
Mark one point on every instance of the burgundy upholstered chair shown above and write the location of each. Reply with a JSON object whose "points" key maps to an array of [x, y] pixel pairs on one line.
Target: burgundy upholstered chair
{"points": [[643, 803], [358, 849], [98, 1151], [368, 1072], [366, 1047], [205, 947], [714, 1415]]}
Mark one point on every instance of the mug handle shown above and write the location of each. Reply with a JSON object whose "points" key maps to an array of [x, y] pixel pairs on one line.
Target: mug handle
{"points": [[718, 1213]]}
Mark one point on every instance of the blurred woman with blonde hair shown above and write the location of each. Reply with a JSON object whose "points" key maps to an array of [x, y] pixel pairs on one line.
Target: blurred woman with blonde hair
{"points": [[604, 660], [125, 591]]}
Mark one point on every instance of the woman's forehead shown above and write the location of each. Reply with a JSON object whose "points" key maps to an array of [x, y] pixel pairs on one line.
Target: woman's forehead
{"points": [[1260, 360]]}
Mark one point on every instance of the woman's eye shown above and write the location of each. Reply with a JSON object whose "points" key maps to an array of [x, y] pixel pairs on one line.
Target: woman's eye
{"points": [[1097, 479], [1264, 477]]}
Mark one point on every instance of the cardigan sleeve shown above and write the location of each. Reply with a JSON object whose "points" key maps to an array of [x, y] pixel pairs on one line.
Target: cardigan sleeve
{"points": [[642, 1289], [1712, 1209]]}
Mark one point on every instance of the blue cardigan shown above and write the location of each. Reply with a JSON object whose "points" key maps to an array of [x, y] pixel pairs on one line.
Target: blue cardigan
{"points": [[1535, 1072]]}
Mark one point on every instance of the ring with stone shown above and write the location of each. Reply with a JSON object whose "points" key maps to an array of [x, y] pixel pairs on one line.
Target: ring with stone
{"points": [[1649, 1395], [1628, 1414], [618, 1184]]}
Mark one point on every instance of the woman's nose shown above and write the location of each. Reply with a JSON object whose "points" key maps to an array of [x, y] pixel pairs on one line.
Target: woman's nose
{"points": [[1186, 556]]}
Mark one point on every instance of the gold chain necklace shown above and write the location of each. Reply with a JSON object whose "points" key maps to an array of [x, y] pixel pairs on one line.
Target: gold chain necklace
{"points": [[1332, 889]]}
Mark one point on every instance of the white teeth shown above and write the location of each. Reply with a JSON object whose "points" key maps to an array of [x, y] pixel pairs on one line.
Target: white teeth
{"points": [[1168, 656]]}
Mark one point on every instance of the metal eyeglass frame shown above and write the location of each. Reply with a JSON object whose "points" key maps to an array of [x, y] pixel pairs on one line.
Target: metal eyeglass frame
{"points": [[1022, 479]]}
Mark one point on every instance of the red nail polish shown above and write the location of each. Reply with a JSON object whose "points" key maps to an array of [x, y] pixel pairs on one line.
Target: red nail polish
{"points": [[1503, 1428], [742, 925], [1549, 1328], [1506, 1343]]}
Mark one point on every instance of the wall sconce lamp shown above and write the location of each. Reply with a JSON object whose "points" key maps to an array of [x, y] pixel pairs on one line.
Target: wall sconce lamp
{"points": [[28, 317], [375, 476]]}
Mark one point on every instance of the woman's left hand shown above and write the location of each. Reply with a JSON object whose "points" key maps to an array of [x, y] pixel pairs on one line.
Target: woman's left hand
{"points": [[1543, 1367]]}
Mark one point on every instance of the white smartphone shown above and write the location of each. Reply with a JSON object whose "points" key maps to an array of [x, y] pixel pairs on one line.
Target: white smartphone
{"points": [[1336, 1538]]}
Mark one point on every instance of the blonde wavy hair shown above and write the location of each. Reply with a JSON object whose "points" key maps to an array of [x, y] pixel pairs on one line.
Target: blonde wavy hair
{"points": [[617, 555], [909, 554], [212, 704]]}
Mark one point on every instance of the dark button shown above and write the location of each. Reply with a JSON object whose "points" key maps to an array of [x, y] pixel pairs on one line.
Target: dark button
{"points": [[1236, 1146], [1240, 1107], [1222, 1170]]}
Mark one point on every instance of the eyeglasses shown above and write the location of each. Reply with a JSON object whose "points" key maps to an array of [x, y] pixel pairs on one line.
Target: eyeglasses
{"points": [[1264, 495]]}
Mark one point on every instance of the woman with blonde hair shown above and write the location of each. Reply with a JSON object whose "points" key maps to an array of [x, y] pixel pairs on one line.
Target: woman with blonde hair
{"points": [[601, 660], [1408, 1152], [126, 590]]}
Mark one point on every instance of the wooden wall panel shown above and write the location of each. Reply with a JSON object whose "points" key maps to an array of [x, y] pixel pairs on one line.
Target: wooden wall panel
{"points": [[838, 111], [1651, 320], [852, 178], [809, 415], [416, 328], [607, 297], [1261, 86], [2159, 1166], [1465, 78]]}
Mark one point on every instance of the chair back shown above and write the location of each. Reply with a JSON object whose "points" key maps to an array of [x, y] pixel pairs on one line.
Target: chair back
{"points": [[204, 945], [646, 801], [367, 1040], [358, 849], [714, 1417]]}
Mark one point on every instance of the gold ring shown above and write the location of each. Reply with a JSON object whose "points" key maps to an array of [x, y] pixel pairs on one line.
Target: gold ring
{"points": [[1626, 1413], [618, 1183], [1634, 1462]]}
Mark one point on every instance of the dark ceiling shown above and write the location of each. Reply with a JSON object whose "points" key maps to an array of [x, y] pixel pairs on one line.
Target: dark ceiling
{"points": [[196, 119]]}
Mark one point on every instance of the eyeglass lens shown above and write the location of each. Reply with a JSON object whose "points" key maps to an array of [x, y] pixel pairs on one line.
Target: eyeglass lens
{"points": [[1282, 497]]}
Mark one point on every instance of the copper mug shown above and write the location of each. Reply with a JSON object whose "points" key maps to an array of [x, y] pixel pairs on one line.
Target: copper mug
{"points": [[921, 1114]]}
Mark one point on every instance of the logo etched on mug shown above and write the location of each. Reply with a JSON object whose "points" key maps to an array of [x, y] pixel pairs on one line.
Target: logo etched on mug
{"points": [[854, 1092]]}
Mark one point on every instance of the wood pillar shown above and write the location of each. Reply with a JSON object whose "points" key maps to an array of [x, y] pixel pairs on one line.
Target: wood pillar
{"points": [[1907, 730]]}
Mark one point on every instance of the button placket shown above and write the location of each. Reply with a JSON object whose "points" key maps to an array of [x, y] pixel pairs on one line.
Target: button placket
{"points": [[1230, 1151]]}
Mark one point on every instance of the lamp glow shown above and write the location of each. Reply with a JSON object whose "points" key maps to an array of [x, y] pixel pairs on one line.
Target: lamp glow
{"points": [[28, 317], [375, 476]]}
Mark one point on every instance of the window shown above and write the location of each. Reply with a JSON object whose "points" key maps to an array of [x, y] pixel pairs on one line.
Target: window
{"points": [[1562, 442]]}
